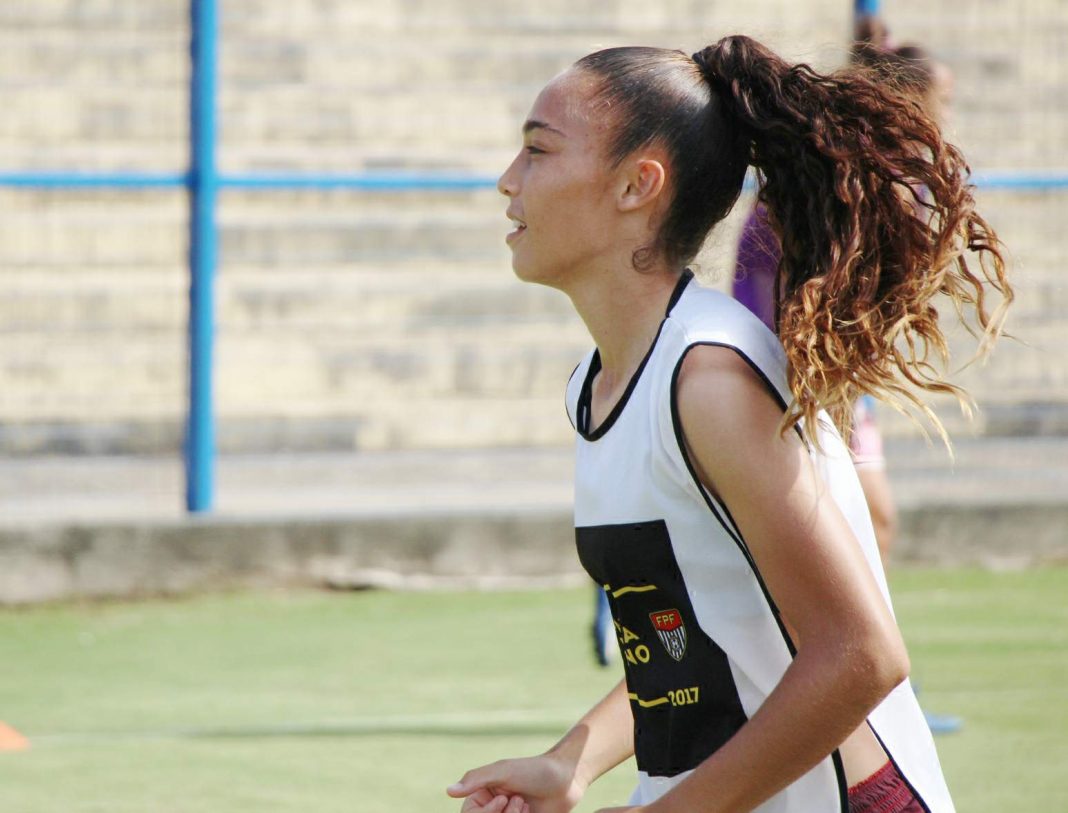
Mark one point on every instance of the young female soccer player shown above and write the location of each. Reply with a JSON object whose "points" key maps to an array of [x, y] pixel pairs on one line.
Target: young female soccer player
{"points": [[715, 500]]}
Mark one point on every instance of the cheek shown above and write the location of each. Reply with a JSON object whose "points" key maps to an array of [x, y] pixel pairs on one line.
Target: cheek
{"points": [[573, 202]]}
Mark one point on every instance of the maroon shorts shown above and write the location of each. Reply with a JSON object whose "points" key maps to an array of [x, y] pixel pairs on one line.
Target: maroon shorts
{"points": [[883, 792]]}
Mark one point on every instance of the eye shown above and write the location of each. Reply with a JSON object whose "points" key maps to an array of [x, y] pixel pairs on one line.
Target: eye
{"points": [[532, 150]]}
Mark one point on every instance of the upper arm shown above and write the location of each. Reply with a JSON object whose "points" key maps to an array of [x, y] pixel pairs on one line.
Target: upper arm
{"points": [[798, 538]]}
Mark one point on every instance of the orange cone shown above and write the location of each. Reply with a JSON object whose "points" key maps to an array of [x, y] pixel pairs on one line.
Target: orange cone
{"points": [[11, 740]]}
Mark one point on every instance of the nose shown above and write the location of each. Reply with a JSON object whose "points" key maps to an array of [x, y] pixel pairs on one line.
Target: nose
{"points": [[508, 184]]}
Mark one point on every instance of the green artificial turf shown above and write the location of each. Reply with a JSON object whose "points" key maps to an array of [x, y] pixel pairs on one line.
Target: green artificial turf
{"points": [[296, 701]]}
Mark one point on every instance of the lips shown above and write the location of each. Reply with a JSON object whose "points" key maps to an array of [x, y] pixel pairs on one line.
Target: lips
{"points": [[519, 228]]}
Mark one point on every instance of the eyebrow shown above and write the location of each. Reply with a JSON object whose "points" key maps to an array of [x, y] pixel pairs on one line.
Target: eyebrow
{"points": [[533, 124]]}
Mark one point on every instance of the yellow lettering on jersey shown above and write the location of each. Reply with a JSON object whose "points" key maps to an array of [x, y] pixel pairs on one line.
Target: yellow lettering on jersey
{"points": [[683, 697], [628, 636]]}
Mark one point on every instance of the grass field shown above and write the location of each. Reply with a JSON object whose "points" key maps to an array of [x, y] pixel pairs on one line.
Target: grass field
{"points": [[368, 702]]}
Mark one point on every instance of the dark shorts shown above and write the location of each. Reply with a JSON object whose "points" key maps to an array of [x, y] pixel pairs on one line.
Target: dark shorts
{"points": [[883, 792]]}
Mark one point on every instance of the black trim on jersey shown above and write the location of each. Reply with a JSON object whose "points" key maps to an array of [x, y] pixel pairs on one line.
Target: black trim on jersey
{"points": [[732, 528], [680, 286], [566, 389], [584, 408], [897, 768], [715, 505], [839, 773]]}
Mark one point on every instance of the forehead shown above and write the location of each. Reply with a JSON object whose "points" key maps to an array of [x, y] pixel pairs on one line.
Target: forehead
{"points": [[565, 104]]}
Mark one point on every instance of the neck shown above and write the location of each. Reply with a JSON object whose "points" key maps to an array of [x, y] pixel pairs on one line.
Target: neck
{"points": [[622, 311]]}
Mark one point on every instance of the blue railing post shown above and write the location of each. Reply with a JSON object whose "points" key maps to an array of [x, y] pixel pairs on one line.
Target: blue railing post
{"points": [[203, 253]]}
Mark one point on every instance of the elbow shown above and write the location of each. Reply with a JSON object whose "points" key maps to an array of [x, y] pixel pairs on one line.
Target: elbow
{"points": [[882, 664], [894, 669]]}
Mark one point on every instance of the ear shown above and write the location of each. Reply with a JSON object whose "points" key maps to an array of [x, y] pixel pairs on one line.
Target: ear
{"points": [[642, 183]]}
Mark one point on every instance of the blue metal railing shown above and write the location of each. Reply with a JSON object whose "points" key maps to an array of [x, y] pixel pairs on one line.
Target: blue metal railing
{"points": [[1015, 180], [204, 181], [101, 180]]}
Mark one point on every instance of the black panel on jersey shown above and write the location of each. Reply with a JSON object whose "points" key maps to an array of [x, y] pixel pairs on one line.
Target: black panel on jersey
{"points": [[682, 692]]}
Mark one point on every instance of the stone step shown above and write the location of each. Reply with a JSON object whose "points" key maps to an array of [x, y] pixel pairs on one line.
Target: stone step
{"points": [[410, 423], [85, 375], [274, 370], [111, 61], [50, 114], [352, 300], [277, 156], [95, 15], [150, 230], [327, 228], [114, 60], [474, 17], [47, 114]]}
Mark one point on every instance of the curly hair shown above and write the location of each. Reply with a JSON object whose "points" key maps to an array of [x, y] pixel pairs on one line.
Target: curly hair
{"points": [[873, 210]]}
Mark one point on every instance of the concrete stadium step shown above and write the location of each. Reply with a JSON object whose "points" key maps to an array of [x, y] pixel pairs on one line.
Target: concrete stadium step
{"points": [[48, 115], [149, 227], [277, 156], [94, 527], [352, 300], [358, 300], [361, 296], [447, 423], [106, 373], [511, 65], [478, 16], [105, 15], [315, 228], [317, 240], [100, 238], [110, 59]]}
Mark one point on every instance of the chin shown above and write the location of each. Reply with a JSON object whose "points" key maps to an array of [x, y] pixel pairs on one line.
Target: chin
{"points": [[535, 273], [524, 271]]}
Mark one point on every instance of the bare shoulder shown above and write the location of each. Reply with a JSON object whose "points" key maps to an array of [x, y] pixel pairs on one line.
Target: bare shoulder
{"points": [[716, 382]]}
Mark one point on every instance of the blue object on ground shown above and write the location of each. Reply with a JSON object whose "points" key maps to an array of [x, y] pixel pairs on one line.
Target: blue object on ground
{"points": [[602, 629], [943, 723]]}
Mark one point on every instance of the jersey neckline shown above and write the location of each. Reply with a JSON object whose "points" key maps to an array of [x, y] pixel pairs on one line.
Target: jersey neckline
{"points": [[584, 410]]}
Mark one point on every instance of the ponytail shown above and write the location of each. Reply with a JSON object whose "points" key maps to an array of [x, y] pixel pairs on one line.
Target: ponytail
{"points": [[872, 207], [875, 216]]}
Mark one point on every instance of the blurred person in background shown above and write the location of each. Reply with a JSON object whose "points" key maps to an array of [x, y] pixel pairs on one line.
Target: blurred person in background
{"points": [[715, 499], [918, 75], [913, 71]]}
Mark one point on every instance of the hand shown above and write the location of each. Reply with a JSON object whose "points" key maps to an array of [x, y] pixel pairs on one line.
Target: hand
{"points": [[544, 784], [484, 801]]}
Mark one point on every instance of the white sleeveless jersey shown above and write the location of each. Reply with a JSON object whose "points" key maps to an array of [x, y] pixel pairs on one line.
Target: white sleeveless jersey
{"points": [[701, 639]]}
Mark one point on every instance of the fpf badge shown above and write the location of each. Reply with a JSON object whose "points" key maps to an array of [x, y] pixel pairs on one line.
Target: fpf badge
{"points": [[671, 632]]}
